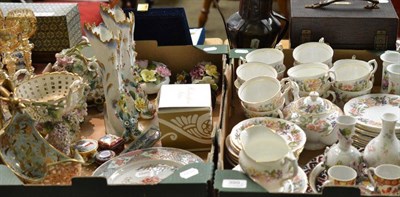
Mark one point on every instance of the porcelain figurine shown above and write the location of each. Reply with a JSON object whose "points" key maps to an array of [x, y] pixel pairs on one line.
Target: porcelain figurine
{"points": [[317, 117], [384, 149], [343, 153], [123, 27]]}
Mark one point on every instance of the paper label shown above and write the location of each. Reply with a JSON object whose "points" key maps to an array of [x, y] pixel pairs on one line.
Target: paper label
{"points": [[241, 51], [234, 183], [144, 173], [210, 49], [189, 173]]}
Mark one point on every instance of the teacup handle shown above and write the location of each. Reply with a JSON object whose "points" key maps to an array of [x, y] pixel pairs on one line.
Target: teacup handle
{"points": [[321, 40], [370, 173], [374, 66], [242, 60], [280, 114], [332, 76], [294, 164], [289, 86], [330, 92]]}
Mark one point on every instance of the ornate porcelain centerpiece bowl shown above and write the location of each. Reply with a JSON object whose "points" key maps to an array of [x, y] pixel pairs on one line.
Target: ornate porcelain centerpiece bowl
{"points": [[317, 117]]}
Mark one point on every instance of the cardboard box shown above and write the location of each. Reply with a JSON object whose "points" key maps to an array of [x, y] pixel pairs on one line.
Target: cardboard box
{"points": [[344, 25], [228, 182], [185, 116], [58, 25]]}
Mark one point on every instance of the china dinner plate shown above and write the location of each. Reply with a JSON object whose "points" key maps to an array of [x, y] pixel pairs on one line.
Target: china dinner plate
{"points": [[298, 184], [369, 108], [146, 166], [293, 134]]}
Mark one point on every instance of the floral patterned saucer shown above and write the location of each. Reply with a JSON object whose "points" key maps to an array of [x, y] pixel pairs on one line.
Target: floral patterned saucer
{"points": [[368, 109], [297, 185], [145, 166], [293, 134]]}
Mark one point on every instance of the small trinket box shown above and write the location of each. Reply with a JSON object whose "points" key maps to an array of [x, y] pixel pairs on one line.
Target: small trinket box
{"points": [[103, 156], [111, 142], [87, 148]]}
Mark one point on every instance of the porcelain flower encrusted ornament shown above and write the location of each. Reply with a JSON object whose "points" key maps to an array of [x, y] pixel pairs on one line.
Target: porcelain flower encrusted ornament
{"points": [[152, 75]]}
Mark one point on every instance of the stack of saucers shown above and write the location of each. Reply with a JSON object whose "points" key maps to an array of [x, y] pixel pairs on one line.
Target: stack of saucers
{"points": [[367, 110], [293, 134]]}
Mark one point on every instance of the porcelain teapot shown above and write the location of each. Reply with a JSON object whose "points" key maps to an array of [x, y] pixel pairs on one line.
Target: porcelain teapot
{"points": [[317, 117]]}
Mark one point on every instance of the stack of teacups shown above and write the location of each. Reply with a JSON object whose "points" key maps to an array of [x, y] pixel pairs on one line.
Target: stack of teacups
{"points": [[388, 57], [312, 77], [251, 70], [263, 97], [353, 78], [313, 52], [393, 78], [273, 57]]}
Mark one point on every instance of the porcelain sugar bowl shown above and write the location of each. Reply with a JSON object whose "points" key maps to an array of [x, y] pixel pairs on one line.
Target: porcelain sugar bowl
{"points": [[317, 117]]}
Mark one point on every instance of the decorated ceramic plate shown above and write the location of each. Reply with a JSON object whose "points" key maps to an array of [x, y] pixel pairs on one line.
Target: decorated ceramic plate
{"points": [[146, 166], [298, 183], [368, 109], [293, 134]]}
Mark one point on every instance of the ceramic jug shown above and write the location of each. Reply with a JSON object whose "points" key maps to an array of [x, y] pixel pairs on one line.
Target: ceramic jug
{"points": [[255, 25], [343, 153], [121, 116], [384, 149], [123, 27], [266, 158]]}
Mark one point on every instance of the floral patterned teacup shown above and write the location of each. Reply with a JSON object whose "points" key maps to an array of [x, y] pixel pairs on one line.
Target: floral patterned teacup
{"points": [[353, 75], [273, 57], [313, 52], [393, 71], [340, 175], [276, 113], [311, 76], [262, 93], [389, 57], [270, 167], [385, 178], [250, 70], [342, 97]]}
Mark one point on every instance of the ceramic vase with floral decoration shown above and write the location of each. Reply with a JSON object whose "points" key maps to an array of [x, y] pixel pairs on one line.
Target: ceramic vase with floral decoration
{"points": [[123, 28], [384, 149], [152, 75], [343, 153], [121, 116]]}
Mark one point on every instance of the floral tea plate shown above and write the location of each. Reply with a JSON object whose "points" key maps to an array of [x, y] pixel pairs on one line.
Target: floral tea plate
{"points": [[297, 185], [293, 134], [145, 166], [368, 109]]}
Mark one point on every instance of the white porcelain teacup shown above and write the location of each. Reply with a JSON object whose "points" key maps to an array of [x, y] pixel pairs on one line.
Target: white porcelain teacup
{"points": [[311, 76], [266, 158], [262, 93], [270, 56], [342, 97], [276, 113], [250, 70], [353, 75], [340, 175], [393, 73], [313, 52], [388, 57], [385, 178]]}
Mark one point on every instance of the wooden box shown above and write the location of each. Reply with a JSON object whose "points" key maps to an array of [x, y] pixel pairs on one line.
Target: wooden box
{"points": [[344, 25]]}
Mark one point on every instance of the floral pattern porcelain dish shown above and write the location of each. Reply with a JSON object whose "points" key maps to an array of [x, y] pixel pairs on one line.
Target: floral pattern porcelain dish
{"points": [[368, 109], [293, 134], [297, 185], [145, 166]]}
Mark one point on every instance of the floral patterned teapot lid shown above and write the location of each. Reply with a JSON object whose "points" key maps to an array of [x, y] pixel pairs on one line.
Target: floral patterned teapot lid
{"points": [[313, 104]]}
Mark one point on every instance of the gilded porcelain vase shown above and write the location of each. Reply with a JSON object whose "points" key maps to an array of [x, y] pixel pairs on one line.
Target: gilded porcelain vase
{"points": [[123, 27]]}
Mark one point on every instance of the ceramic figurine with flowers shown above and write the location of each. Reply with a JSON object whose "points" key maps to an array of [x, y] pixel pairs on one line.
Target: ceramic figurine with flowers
{"points": [[73, 60], [152, 75], [201, 73]]}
